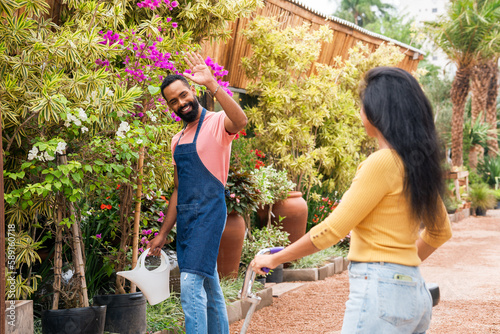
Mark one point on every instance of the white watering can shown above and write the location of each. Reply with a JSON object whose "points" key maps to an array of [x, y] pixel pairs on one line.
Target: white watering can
{"points": [[154, 284]]}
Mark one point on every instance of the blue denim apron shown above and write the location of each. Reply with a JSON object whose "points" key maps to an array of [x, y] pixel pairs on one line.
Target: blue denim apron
{"points": [[201, 210]]}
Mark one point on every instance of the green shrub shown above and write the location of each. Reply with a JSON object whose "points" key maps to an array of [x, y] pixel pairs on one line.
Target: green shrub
{"points": [[489, 169], [272, 236], [166, 315], [482, 197]]}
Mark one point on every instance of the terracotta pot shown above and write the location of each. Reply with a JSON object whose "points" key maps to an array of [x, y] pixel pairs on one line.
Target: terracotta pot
{"points": [[294, 209], [231, 244]]}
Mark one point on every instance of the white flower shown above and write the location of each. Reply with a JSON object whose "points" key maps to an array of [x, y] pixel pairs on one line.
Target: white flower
{"points": [[78, 122], [149, 197], [32, 153], [61, 146], [153, 118], [82, 115], [67, 124], [109, 92], [47, 156], [122, 130], [139, 141], [84, 129], [124, 127]]}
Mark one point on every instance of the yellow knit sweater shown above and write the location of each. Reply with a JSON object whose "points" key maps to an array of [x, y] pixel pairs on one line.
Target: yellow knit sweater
{"points": [[377, 213]]}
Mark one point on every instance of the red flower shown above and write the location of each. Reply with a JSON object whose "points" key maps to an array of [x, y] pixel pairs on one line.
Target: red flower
{"points": [[108, 206], [103, 206], [321, 207], [107, 197], [259, 164], [118, 186], [243, 132], [163, 198], [260, 154]]}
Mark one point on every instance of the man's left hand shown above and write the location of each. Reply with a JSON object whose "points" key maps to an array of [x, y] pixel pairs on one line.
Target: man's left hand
{"points": [[200, 73]]}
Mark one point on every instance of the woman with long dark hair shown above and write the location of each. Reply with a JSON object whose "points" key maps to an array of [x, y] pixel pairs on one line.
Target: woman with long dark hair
{"points": [[393, 210]]}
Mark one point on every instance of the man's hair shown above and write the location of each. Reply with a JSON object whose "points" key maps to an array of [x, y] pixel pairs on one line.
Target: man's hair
{"points": [[170, 79]]}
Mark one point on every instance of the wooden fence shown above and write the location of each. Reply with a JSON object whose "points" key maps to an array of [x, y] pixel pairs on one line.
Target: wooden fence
{"points": [[293, 13]]}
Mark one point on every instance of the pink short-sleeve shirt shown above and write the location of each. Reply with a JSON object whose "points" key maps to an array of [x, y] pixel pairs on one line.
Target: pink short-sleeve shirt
{"points": [[213, 144]]}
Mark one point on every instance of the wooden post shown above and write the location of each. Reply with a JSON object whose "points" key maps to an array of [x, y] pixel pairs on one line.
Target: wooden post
{"points": [[2, 237], [137, 213]]}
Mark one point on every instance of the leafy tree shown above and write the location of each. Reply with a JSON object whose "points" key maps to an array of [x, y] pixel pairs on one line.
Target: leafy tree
{"points": [[307, 124], [362, 12], [398, 27], [83, 116]]}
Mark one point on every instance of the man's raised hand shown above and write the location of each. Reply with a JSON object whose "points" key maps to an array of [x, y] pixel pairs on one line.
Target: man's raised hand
{"points": [[200, 72]]}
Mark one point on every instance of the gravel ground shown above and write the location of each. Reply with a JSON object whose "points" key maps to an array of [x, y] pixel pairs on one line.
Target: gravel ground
{"points": [[467, 269]]}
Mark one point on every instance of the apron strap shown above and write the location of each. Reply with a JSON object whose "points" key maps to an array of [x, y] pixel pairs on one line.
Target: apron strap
{"points": [[202, 117]]}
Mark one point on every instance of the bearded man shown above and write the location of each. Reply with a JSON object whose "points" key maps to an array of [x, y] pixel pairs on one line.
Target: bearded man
{"points": [[201, 154]]}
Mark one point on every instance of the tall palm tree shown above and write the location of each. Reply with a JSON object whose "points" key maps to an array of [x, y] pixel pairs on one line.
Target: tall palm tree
{"points": [[470, 29], [491, 107], [361, 12]]}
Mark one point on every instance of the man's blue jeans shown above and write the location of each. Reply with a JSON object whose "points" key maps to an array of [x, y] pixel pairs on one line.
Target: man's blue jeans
{"points": [[203, 304]]}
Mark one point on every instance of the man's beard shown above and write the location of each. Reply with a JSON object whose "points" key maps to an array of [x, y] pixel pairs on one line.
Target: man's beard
{"points": [[190, 116]]}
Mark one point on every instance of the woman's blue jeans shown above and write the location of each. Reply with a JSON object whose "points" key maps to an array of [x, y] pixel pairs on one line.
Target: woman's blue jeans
{"points": [[203, 304], [386, 298]]}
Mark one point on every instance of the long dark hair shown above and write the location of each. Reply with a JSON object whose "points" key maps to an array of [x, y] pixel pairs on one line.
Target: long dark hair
{"points": [[395, 104]]}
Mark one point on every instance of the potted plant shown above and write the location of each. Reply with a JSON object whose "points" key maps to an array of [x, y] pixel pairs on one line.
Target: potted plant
{"points": [[451, 204], [266, 237], [482, 198], [497, 197], [242, 197], [280, 201]]}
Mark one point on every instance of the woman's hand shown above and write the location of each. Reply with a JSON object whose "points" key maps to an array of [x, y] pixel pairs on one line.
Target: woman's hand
{"points": [[263, 261]]}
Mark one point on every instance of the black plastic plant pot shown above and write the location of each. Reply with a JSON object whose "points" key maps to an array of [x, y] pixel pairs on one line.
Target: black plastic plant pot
{"points": [[480, 212], [126, 313], [434, 290], [276, 276], [83, 320]]}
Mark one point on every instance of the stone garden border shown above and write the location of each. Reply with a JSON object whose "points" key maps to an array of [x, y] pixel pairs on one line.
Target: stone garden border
{"points": [[459, 215]]}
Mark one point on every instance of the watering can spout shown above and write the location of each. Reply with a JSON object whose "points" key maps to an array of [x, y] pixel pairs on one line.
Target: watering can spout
{"points": [[154, 284]]}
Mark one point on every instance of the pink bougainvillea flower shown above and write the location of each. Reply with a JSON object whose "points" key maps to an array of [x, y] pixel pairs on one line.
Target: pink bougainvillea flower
{"points": [[98, 236], [174, 25], [232, 195]]}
